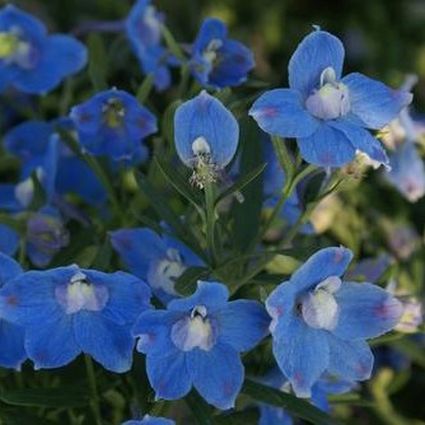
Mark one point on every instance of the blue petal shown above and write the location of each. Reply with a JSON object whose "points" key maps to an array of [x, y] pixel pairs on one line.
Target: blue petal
{"points": [[212, 295], [352, 360], [302, 354], [11, 16], [51, 344], [12, 353], [318, 51], [374, 103], [362, 140], [217, 374], [281, 112], [8, 199], [211, 29], [153, 327], [323, 264], [242, 323], [9, 240], [108, 343], [205, 116], [235, 60], [9, 268], [150, 420], [327, 147], [366, 311], [168, 375], [270, 415]]}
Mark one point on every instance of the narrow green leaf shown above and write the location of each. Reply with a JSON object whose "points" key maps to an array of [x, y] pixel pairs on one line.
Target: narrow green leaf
{"points": [[172, 44], [39, 194], [98, 63], [145, 88], [186, 283], [241, 183], [200, 409], [293, 405], [45, 397]]}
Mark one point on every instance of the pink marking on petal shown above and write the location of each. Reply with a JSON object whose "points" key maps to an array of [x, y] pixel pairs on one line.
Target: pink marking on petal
{"points": [[269, 112], [298, 378], [339, 255], [12, 300]]}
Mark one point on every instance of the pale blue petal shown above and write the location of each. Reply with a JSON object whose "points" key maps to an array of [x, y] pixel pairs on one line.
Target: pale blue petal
{"points": [[318, 51], [374, 103], [366, 311], [327, 147], [281, 112]]}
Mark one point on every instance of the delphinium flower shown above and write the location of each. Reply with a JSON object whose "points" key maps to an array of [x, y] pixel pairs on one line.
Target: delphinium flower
{"points": [[206, 136], [114, 124], [216, 60], [327, 384], [143, 27], [31, 60], [68, 310], [320, 323], [159, 260], [150, 420], [32, 143], [12, 353], [328, 115], [9, 239], [196, 342]]}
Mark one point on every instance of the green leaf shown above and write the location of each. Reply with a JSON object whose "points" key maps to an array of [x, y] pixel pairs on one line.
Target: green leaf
{"points": [[241, 183], [145, 88], [186, 283], [172, 44], [98, 63], [293, 405], [15, 416], [200, 409], [167, 127], [45, 397], [39, 195]]}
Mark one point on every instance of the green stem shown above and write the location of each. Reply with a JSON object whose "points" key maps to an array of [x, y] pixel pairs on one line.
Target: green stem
{"points": [[210, 219], [283, 157], [94, 399]]}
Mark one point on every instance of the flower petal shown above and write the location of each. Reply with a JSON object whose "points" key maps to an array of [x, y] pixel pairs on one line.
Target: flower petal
{"points": [[281, 112], [242, 324], [168, 375], [321, 265], [205, 116], [327, 147], [374, 103], [9, 241], [9, 268], [365, 311], [352, 360], [216, 374], [12, 353], [318, 51], [362, 140]]}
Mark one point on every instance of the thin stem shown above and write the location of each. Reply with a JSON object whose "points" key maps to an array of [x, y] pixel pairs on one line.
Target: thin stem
{"points": [[210, 219], [283, 157], [94, 399]]}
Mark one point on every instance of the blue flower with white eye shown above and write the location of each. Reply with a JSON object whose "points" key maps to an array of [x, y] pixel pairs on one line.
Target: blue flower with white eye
{"points": [[271, 415], [197, 341], [158, 260], [12, 353], [407, 172], [143, 27], [320, 324], [328, 115], [206, 136], [31, 60], [34, 141], [113, 123], [150, 420], [218, 61], [68, 310]]}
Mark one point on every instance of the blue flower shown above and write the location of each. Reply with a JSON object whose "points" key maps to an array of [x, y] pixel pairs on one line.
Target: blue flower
{"points": [[150, 420], [206, 136], [217, 61], [407, 172], [328, 115], [113, 123], [143, 26], [31, 60], [197, 341], [66, 311], [158, 260], [9, 240], [320, 323], [37, 143], [12, 353]]}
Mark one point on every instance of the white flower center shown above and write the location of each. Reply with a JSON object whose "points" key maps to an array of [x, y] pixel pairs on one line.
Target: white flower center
{"points": [[210, 53], [79, 295], [319, 307], [194, 331], [167, 271], [332, 100], [14, 50]]}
